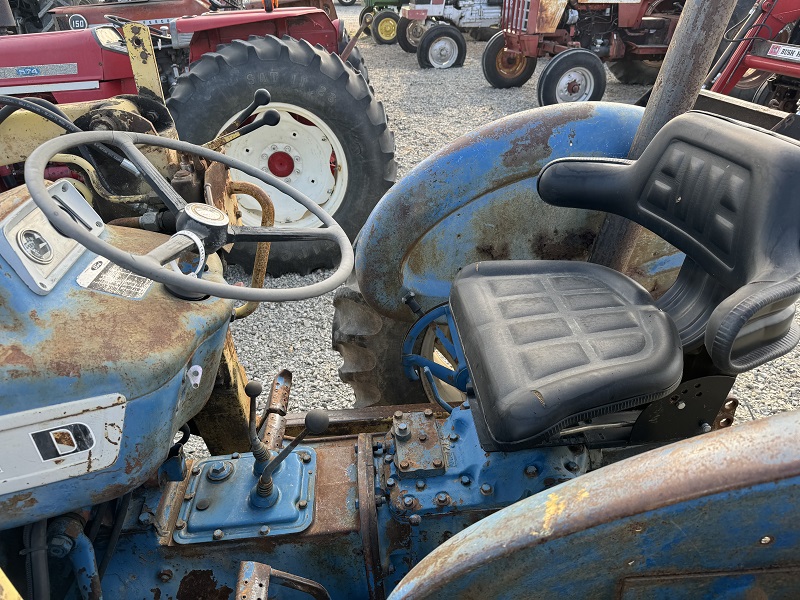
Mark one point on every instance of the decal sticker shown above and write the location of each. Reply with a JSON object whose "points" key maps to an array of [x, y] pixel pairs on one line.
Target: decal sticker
{"points": [[105, 276], [63, 440], [78, 22], [37, 70]]}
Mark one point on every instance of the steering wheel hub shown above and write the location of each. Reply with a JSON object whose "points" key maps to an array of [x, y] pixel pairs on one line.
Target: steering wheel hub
{"points": [[206, 214]]}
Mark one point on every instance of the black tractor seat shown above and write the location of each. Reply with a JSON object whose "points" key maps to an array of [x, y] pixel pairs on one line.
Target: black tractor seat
{"points": [[551, 343]]}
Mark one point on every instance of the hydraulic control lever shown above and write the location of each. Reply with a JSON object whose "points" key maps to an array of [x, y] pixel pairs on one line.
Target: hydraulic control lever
{"points": [[236, 130], [263, 494]]}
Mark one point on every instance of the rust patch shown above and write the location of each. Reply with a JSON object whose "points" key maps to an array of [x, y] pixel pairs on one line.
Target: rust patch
{"points": [[63, 438], [494, 252], [202, 585], [17, 505], [571, 246], [156, 593]]}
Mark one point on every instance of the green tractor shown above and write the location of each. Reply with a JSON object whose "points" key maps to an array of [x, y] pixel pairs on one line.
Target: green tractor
{"points": [[385, 14]]}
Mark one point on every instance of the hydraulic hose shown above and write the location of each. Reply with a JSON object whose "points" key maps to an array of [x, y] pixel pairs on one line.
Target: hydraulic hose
{"points": [[38, 576], [116, 530]]}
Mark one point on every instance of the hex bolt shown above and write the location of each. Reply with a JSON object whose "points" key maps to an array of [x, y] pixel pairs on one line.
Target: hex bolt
{"points": [[681, 405], [60, 546], [302, 505], [165, 575], [218, 535], [423, 436], [420, 484], [442, 499], [235, 455], [195, 470], [486, 489], [263, 530], [390, 482], [408, 501], [415, 519], [465, 480], [437, 463], [453, 437], [180, 524], [188, 496], [402, 427], [388, 458], [705, 427], [571, 466], [767, 539], [404, 464], [428, 413], [531, 471], [398, 414], [145, 519]]}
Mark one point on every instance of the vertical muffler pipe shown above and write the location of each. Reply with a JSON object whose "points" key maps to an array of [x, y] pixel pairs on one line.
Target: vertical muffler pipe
{"points": [[6, 17], [689, 57]]}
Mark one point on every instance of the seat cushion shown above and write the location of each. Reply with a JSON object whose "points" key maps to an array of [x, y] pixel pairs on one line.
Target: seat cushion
{"points": [[551, 343]]}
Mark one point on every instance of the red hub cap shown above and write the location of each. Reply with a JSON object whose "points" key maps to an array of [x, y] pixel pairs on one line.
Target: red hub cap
{"points": [[281, 164]]}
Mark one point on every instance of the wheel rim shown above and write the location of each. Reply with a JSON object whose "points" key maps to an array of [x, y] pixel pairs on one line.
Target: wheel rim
{"points": [[387, 29], [576, 85], [302, 151], [509, 64], [431, 348], [443, 52], [414, 32]]}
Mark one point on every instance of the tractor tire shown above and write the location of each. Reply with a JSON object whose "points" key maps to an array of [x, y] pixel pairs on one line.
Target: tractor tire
{"points": [[367, 10], [442, 47], [384, 27], [635, 72], [503, 69], [355, 60], [346, 2], [575, 75], [332, 143], [409, 33], [371, 345]]}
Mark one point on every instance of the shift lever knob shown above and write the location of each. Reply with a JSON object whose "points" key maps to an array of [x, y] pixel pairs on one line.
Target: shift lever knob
{"points": [[316, 421]]}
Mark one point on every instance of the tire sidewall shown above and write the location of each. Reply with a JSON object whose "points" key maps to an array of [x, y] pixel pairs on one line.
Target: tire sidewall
{"points": [[563, 62], [489, 65]]}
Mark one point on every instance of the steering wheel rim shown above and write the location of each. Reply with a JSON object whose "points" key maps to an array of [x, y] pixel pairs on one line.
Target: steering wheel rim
{"points": [[151, 264], [118, 21]]}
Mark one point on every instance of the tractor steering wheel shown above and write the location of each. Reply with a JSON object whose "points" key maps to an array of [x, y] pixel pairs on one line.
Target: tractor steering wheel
{"points": [[200, 226], [122, 21]]}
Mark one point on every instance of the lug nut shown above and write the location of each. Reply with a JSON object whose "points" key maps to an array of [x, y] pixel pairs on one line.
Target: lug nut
{"points": [[218, 535], [486, 489]]}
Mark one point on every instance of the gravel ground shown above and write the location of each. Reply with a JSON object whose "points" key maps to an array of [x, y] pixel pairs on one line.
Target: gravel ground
{"points": [[427, 109]]}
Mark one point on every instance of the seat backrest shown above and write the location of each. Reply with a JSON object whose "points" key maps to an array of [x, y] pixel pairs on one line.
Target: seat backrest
{"points": [[719, 190]]}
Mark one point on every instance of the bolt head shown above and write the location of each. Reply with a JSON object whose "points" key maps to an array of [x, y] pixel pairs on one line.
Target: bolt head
{"points": [[235, 455], [414, 519], [60, 546], [402, 427], [305, 457], [165, 575], [408, 501], [145, 519], [379, 500], [398, 414], [437, 463], [531, 471], [180, 524], [571, 466], [217, 467], [420, 484], [465, 480], [195, 470], [423, 436], [273, 147], [302, 505], [263, 530], [681, 405], [188, 496], [404, 464], [442, 498], [287, 148], [264, 156], [390, 482], [388, 458], [486, 489], [453, 437], [218, 535], [705, 427], [428, 413]]}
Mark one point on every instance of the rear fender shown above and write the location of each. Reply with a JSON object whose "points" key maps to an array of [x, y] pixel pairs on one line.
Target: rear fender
{"points": [[476, 199]]}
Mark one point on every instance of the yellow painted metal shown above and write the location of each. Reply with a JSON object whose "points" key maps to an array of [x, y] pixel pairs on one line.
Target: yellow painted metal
{"points": [[143, 60], [7, 589]]}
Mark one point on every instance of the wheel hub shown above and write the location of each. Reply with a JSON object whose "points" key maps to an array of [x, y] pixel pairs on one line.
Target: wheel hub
{"points": [[281, 162], [443, 53], [387, 29], [575, 85]]}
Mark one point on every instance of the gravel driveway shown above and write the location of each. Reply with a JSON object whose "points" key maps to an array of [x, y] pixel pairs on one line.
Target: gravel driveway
{"points": [[427, 109]]}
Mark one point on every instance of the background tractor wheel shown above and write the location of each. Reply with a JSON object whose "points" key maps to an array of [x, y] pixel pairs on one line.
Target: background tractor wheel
{"points": [[384, 27], [409, 33], [332, 142], [576, 75], [442, 47], [346, 2], [503, 69], [371, 345], [635, 72], [367, 10]]}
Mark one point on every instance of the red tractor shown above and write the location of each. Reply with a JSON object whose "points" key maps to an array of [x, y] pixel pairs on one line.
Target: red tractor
{"points": [[332, 142], [581, 35]]}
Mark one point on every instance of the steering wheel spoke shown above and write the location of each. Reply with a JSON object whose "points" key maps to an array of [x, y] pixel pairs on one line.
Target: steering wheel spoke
{"points": [[171, 199], [239, 234], [172, 249]]}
